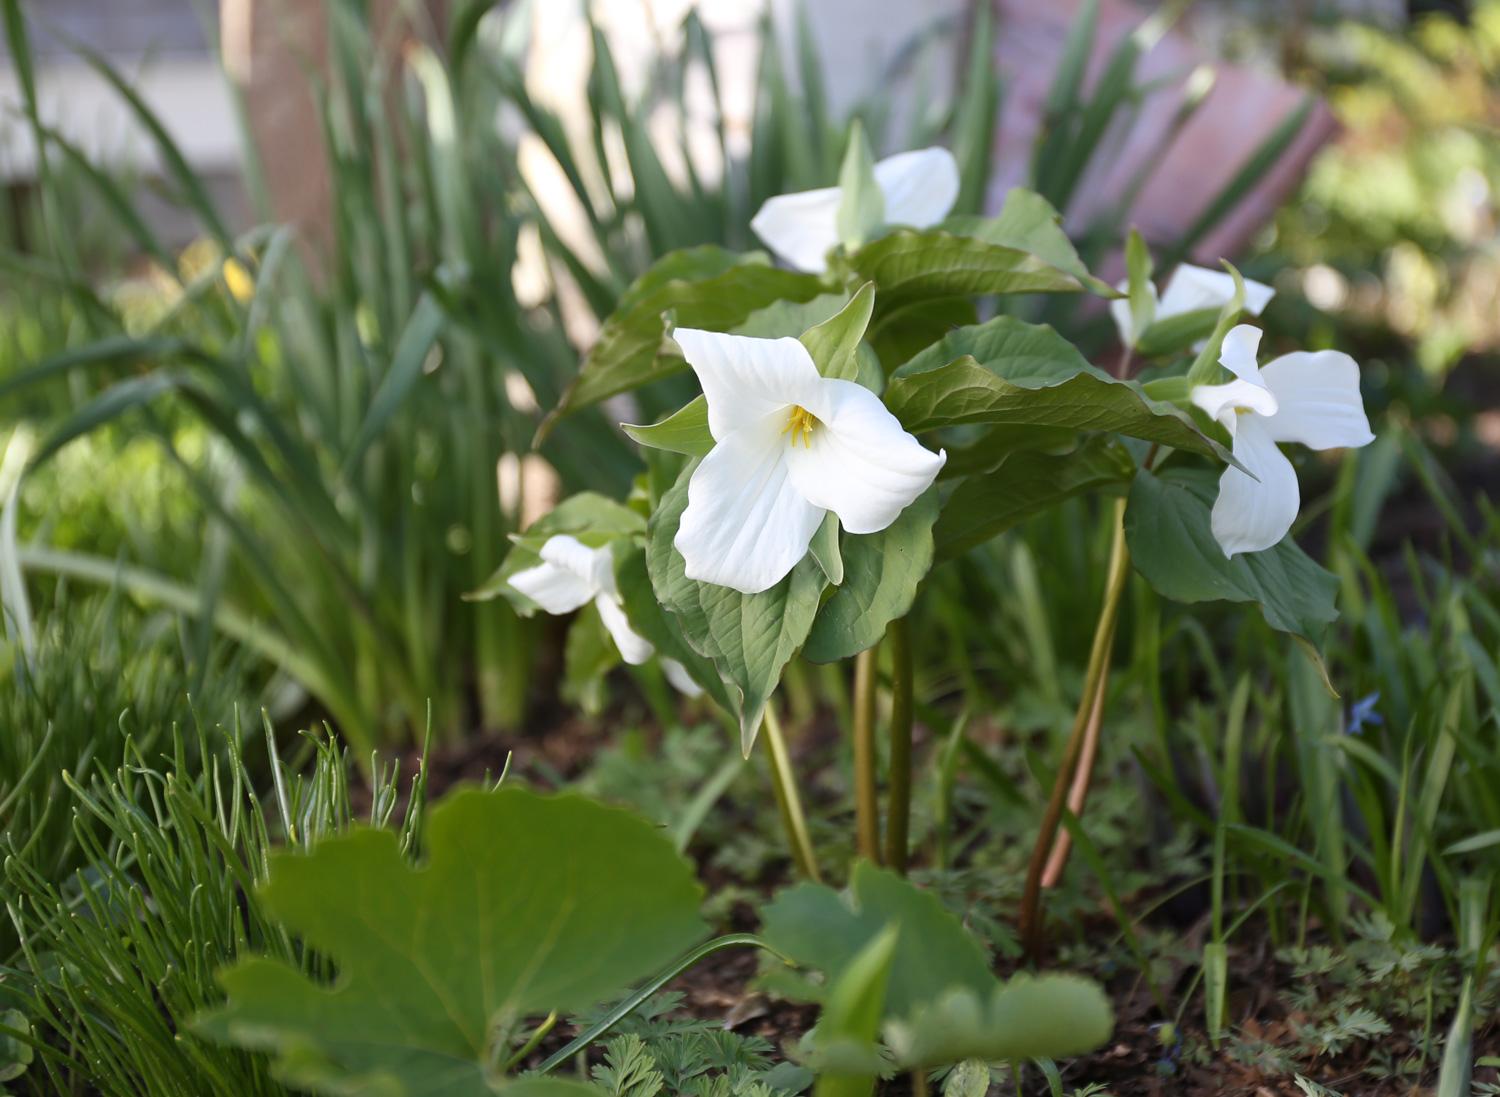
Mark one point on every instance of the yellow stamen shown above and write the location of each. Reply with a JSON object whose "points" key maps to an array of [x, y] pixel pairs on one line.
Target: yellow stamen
{"points": [[799, 424]]}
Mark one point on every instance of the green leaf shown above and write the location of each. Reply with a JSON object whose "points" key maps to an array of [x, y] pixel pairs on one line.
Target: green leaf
{"points": [[684, 431], [1172, 545], [881, 574], [1205, 369], [1175, 334], [15, 1054], [1024, 484], [1028, 223], [645, 613], [705, 287], [993, 446], [749, 637], [974, 122], [834, 344], [909, 266], [416, 340], [825, 549], [1009, 372], [592, 518], [588, 656], [1029, 1017], [850, 1022], [900, 333], [782, 318], [434, 961], [861, 201], [822, 929], [1142, 299], [1027, 354]]}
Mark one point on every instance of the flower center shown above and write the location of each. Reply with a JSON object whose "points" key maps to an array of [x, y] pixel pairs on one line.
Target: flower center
{"points": [[799, 424]]}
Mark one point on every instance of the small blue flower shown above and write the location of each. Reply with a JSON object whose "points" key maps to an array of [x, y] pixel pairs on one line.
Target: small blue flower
{"points": [[1362, 714]]}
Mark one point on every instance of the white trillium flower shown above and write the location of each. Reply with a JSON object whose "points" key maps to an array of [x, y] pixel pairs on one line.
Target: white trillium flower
{"points": [[1309, 397], [573, 574], [790, 446], [919, 187], [1189, 289]]}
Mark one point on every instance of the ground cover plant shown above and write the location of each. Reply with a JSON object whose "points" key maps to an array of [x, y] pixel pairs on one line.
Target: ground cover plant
{"points": [[942, 668]]}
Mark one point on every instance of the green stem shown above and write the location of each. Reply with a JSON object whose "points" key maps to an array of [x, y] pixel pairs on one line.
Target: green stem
{"points": [[898, 811], [1099, 656], [623, 1008], [532, 1041], [866, 810], [788, 800]]}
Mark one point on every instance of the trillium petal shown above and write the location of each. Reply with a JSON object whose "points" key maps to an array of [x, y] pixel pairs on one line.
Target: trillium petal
{"points": [[1237, 355], [1192, 287], [593, 565], [800, 228], [1320, 405], [919, 187], [1223, 402], [859, 462], [681, 680], [556, 587], [1254, 514], [744, 379], [635, 649], [746, 525]]}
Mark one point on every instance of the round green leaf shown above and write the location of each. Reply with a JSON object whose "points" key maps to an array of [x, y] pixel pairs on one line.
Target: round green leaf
{"points": [[526, 904]]}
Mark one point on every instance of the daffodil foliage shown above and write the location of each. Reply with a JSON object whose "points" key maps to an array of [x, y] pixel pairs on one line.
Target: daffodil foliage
{"points": [[859, 422]]}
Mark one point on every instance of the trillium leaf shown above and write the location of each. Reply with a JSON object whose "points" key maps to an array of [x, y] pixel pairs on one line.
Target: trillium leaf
{"points": [[995, 445], [592, 518], [526, 904], [1006, 371], [749, 637], [834, 344], [908, 266], [646, 615], [824, 930], [685, 431], [1029, 223], [899, 333], [882, 572], [705, 287], [1029, 1017], [1024, 484], [1027, 354], [791, 318], [1172, 545]]}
